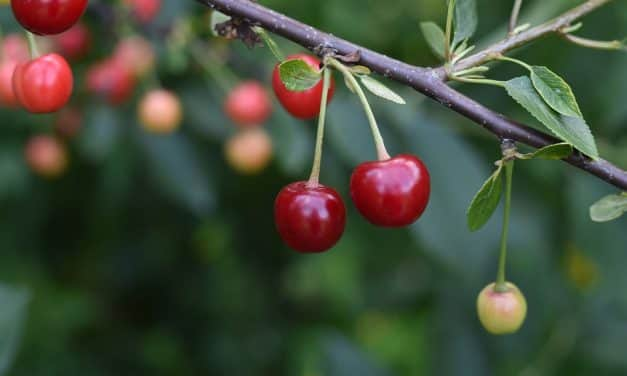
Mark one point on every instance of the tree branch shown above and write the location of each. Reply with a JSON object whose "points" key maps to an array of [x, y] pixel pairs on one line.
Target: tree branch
{"points": [[430, 82]]}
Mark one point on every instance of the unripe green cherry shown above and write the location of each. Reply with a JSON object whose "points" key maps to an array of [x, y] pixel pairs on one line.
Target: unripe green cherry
{"points": [[501, 312]]}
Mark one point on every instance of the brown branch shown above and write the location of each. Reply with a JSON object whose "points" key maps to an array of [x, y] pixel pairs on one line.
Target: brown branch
{"points": [[430, 82]]}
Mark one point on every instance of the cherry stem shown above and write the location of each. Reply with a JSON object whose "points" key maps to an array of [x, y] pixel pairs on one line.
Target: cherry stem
{"points": [[449, 30], [513, 20], [314, 179], [501, 283], [382, 152], [32, 45]]}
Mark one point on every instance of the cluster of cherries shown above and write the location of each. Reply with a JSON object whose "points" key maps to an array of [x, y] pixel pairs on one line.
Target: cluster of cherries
{"points": [[311, 217], [248, 105], [44, 83]]}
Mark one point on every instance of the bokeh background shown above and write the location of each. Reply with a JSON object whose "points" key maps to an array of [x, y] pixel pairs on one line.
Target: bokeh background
{"points": [[151, 255]]}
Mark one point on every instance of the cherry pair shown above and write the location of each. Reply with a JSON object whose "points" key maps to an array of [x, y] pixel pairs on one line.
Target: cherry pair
{"points": [[389, 193]]}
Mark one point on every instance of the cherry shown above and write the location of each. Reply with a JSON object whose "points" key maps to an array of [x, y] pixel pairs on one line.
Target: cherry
{"points": [[43, 84], [501, 312], [75, 42], [7, 95], [46, 156], [48, 17], [310, 219], [144, 10], [301, 104], [248, 104], [160, 111], [249, 151], [111, 80], [136, 54], [392, 192]]}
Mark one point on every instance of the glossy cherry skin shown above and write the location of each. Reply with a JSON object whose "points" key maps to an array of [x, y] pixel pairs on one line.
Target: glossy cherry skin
{"points": [[501, 312], [48, 17], [393, 192], [301, 104], [111, 80], [309, 219], [44, 84], [248, 104]]}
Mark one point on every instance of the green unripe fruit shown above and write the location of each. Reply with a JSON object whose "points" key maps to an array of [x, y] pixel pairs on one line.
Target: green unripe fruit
{"points": [[501, 312]]}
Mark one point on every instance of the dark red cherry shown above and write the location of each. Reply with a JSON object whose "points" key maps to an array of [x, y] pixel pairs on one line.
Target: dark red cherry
{"points": [[393, 192], [310, 219], [48, 17], [301, 104]]}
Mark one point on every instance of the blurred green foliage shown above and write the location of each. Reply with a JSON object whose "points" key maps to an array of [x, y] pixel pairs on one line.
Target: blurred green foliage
{"points": [[151, 256]]}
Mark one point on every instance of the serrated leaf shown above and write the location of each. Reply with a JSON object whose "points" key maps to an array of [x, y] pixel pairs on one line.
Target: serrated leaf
{"points": [[609, 208], [217, 18], [574, 131], [555, 91], [555, 151], [434, 35], [465, 19], [485, 201], [380, 90], [298, 75]]}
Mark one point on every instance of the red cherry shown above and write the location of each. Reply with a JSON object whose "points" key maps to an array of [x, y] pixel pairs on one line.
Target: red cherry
{"points": [[7, 95], [393, 192], [144, 10], [301, 104], [111, 80], [48, 17], [44, 84], [75, 42], [248, 104], [309, 219]]}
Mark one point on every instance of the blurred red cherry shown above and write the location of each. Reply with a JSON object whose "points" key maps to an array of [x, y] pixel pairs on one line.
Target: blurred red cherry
{"points": [[136, 54], [74, 43], [248, 104], [111, 80], [15, 47], [46, 156]]}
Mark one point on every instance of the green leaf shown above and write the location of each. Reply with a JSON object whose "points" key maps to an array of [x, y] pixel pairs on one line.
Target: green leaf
{"points": [[609, 208], [555, 151], [555, 91], [380, 90], [485, 201], [465, 19], [217, 18], [298, 75], [13, 304], [572, 130], [435, 37]]}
